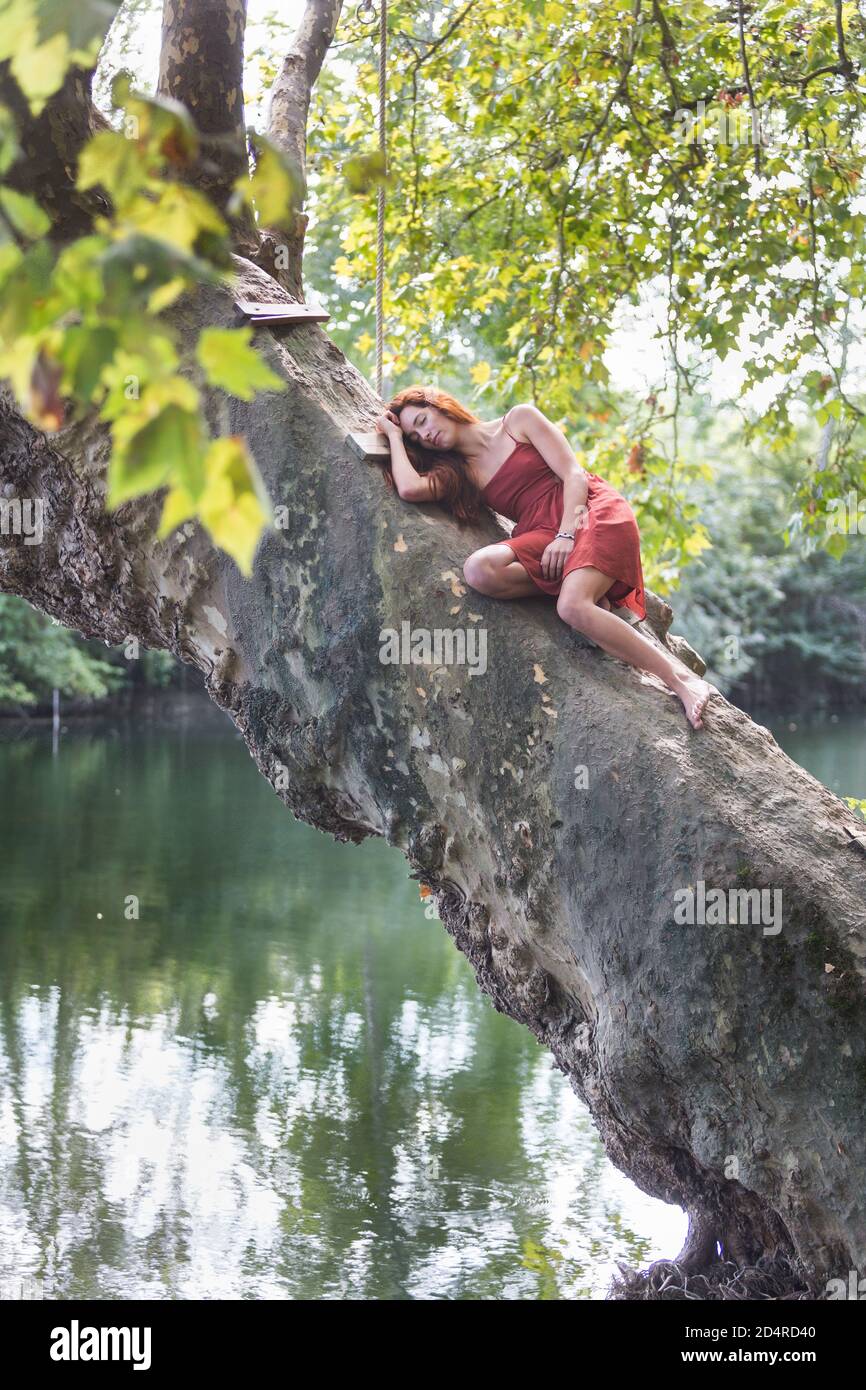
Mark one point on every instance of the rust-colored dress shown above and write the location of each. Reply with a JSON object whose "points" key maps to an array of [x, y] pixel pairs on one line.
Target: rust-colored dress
{"points": [[528, 492]]}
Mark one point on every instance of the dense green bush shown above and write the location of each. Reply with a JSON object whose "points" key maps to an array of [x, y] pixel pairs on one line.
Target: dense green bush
{"points": [[777, 624], [38, 655]]}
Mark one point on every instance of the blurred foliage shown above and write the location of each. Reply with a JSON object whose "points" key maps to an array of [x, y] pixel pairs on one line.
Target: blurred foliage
{"points": [[42, 39], [83, 326]]}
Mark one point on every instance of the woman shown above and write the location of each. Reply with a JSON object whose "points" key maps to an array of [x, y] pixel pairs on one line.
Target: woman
{"points": [[575, 536]]}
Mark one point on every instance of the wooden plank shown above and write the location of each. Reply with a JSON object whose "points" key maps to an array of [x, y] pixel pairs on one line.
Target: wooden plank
{"points": [[369, 445], [288, 319], [279, 311]]}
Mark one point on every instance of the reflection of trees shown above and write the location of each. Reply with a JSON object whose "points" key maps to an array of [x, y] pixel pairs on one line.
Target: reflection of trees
{"points": [[281, 1080]]}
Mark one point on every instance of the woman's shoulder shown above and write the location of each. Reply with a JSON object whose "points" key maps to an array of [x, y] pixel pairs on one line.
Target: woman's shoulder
{"points": [[518, 421]]}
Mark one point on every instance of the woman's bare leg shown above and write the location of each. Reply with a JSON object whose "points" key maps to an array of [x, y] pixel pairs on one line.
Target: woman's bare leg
{"points": [[493, 570], [578, 606]]}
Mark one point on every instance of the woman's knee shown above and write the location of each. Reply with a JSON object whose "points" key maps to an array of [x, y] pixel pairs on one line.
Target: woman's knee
{"points": [[480, 571], [578, 610]]}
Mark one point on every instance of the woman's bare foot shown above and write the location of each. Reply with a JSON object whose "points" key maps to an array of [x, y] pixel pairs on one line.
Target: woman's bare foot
{"points": [[603, 603], [694, 694]]}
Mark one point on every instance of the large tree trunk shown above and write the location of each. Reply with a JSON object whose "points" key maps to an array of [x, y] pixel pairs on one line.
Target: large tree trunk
{"points": [[725, 1067], [201, 64], [49, 147]]}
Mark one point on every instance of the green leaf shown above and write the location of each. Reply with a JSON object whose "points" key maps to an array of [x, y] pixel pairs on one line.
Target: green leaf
{"points": [[19, 29], [84, 23], [159, 122], [234, 506], [179, 215], [134, 267], [25, 214], [275, 189], [832, 408], [77, 279], [179, 506], [40, 70], [113, 162], [363, 172], [836, 545], [84, 353], [230, 363], [10, 258], [168, 446], [9, 149]]}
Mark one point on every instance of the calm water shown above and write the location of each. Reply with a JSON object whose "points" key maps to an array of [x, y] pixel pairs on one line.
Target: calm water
{"points": [[280, 1080], [833, 750]]}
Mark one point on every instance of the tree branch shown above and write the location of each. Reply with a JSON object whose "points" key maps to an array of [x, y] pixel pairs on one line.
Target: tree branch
{"points": [[845, 64], [668, 48], [287, 119], [747, 77]]}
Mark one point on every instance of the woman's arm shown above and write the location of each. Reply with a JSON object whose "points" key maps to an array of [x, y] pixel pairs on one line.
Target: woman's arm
{"points": [[557, 453], [411, 485]]}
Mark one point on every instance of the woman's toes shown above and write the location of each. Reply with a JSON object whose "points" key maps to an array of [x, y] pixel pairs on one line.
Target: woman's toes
{"points": [[694, 694]]}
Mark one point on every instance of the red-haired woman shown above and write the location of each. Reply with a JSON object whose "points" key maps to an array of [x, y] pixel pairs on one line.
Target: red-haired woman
{"points": [[575, 536]]}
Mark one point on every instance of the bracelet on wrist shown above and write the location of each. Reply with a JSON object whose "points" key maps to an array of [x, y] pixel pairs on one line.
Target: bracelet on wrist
{"points": [[566, 535]]}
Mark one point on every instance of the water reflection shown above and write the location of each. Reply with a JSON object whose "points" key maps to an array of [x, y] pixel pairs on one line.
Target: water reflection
{"points": [[279, 1080]]}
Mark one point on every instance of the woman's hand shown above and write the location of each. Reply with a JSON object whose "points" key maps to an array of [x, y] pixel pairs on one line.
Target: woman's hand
{"points": [[388, 423], [554, 557]]}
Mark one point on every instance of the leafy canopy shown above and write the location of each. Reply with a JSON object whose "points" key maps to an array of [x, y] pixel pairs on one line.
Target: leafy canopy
{"points": [[553, 165]]}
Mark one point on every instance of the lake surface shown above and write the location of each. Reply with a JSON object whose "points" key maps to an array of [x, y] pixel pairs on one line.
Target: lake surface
{"points": [[278, 1080]]}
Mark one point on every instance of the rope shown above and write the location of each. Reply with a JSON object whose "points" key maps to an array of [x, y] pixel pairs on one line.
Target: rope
{"points": [[380, 202], [367, 8]]}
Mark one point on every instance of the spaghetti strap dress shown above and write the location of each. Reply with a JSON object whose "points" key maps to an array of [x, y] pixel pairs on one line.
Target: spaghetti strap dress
{"points": [[525, 490]]}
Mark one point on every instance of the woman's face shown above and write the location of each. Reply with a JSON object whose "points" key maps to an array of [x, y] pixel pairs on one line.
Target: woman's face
{"points": [[427, 425]]}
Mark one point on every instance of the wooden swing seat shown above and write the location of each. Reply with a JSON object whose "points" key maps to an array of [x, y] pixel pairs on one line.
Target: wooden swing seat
{"points": [[279, 311]]}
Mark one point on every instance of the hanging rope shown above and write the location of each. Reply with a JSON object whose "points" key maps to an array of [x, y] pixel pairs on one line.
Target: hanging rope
{"points": [[366, 8]]}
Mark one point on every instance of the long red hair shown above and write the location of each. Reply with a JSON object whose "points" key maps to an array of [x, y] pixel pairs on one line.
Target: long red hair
{"points": [[458, 492]]}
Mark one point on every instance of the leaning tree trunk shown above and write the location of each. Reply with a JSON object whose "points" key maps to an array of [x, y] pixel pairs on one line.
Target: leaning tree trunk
{"points": [[555, 802]]}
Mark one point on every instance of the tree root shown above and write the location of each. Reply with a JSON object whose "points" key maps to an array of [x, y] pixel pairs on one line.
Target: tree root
{"points": [[772, 1278]]}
